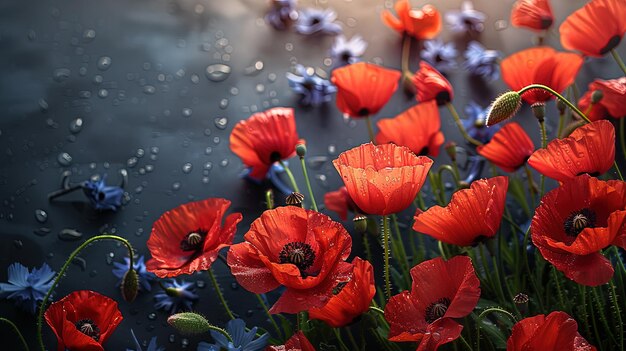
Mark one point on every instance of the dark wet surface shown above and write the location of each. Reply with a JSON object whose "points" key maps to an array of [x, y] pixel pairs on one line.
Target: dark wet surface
{"points": [[145, 80]]}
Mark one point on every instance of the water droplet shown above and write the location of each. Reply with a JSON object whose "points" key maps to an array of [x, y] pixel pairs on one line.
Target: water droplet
{"points": [[43, 231], [200, 284], [152, 316], [254, 69], [149, 89], [80, 262], [187, 167], [131, 162], [104, 63], [208, 150], [41, 216], [61, 74], [223, 104], [260, 88], [103, 93], [89, 35], [220, 122], [69, 234], [217, 72], [316, 162], [501, 24], [187, 112], [176, 186], [76, 125], [64, 159]]}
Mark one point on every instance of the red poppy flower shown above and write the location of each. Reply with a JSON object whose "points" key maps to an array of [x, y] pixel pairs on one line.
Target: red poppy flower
{"points": [[557, 331], [441, 291], [303, 250], [382, 179], [589, 149], [340, 201], [188, 238], [424, 23], [364, 88], [351, 299], [83, 320], [298, 342], [577, 220], [471, 215], [418, 128], [432, 85], [613, 100], [265, 138], [596, 28], [597, 111], [540, 65], [532, 14], [509, 148]]}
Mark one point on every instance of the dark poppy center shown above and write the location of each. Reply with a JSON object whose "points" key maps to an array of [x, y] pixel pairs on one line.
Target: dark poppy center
{"points": [[297, 253], [612, 44], [442, 98], [436, 309], [89, 328], [578, 221], [275, 157], [545, 22], [364, 112], [193, 241]]}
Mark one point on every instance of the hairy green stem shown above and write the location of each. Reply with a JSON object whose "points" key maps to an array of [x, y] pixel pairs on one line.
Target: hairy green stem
{"points": [[64, 268], [290, 175], [544, 142], [269, 315], [459, 125], [308, 183], [618, 59], [386, 253], [17, 331], [553, 92], [370, 129], [220, 295]]}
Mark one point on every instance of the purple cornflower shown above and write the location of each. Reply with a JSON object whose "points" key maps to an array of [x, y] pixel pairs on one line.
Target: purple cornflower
{"points": [[175, 296], [27, 288], [439, 55], [313, 89], [282, 14], [311, 21], [347, 51], [482, 62], [466, 19]]}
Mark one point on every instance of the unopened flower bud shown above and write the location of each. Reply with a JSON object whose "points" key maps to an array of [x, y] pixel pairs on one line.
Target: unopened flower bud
{"points": [[451, 150], [301, 150], [130, 285], [360, 223], [596, 96], [189, 323], [520, 299], [295, 199], [504, 107], [539, 110], [560, 105]]}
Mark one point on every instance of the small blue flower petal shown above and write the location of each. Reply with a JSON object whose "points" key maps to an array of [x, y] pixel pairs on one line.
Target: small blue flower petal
{"points": [[242, 340], [181, 298]]}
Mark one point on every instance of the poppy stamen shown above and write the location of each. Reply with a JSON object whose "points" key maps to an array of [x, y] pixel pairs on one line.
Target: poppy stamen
{"points": [[436, 309], [297, 253], [578, 221], [193, 241], [89, 328]]}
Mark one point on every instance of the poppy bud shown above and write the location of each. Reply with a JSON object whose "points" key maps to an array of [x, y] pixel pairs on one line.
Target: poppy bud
{"points": [[130, 285], [560, 105], [295, 199], [539, 110], [520, 299], [301, 150], [189, 323], [360, 223], [504, 107], [596, 96], [451, 150]]}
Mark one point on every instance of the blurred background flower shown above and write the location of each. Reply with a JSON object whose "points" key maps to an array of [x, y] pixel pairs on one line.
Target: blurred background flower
{"points": [[311, 21], [466, 19], [27, 288], [346, 51], [313, 89], [482, 62], [439, 55], [102, 196], [281, 13], [475, 123]]}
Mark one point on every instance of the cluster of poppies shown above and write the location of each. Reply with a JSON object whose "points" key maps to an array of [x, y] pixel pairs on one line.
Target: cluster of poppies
{"points": [[304, 254]]}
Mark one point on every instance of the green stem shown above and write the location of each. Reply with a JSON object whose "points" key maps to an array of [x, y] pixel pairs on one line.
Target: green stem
{"points": [[341, 343], [308, 183], [269, 316], [386, 253], [618, 59], [269, 199], [64, 268], [221, 331], [600, 309], [290, 175], [617, 313], [486, 312], [17, 331], [370, 129], [377, 310], [544, 142], [220, 296], [531, 184], [401, 250], [450, 169], [553, 92], [467, 345], [459, 125], [559, 290], [406, 52], [622, 138], [353, 342]]}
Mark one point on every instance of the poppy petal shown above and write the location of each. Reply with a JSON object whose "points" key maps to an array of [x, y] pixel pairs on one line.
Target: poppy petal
{"points": [[509, 148]]}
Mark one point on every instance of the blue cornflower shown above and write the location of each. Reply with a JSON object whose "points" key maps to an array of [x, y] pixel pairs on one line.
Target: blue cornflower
{"points": [[475, 123], [26, 287], [476, 163], [242, 340], [311, 21], [482, 62], [102, 196], [314, 90], [439, 55], [175, 296], [152, 346], [282, 13], [347, 51], [145, 277], [273, 175], [466, 19]]}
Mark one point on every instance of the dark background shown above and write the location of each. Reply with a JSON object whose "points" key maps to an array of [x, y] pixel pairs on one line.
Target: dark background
{"points": [[154, 110]]}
